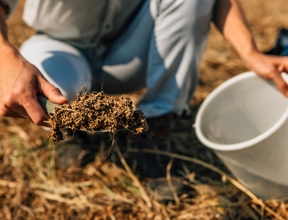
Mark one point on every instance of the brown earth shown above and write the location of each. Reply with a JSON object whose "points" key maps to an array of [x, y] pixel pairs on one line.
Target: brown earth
{"points": [[97, 112], [32, 188]]}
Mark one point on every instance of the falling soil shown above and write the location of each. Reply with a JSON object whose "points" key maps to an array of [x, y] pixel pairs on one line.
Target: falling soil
{"points": [[97, 112]]}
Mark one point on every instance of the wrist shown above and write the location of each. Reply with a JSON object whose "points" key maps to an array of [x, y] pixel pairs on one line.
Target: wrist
{"points": [[251, 58], [7, 50], [247, 54]]}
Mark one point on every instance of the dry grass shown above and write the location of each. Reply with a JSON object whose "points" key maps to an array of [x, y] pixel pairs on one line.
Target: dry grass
{"points": [[32, 188]]}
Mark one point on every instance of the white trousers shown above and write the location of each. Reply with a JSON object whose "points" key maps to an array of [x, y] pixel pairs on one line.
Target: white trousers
{"points": [[160, 50]]}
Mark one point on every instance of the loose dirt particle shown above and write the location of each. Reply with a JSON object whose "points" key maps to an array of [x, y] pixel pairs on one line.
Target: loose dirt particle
{"points": [[97, 112]]}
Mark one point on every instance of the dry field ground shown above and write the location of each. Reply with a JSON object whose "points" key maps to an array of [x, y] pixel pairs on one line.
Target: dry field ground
{"points": [[32, 188]]}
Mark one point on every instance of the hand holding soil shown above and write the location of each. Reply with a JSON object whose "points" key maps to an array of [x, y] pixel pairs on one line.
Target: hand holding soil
{"points": [[96, 112]]}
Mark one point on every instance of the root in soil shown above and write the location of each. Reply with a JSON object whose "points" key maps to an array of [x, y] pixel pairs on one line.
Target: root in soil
{"points": [[95, 112]]}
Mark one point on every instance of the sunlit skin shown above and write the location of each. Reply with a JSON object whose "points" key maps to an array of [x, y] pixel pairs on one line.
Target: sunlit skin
{"points": [[231, 22], [20, 81]]}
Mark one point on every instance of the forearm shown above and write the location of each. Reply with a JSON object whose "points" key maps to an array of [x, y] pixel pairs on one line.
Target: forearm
{"points": [[231, 22], [7, 51]]}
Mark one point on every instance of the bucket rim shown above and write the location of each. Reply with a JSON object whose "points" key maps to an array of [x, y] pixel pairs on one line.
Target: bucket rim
{"points": [[236, 146]]}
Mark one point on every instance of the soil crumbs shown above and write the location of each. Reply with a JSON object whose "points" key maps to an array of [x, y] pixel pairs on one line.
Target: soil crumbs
{"points": [[96, 112]]}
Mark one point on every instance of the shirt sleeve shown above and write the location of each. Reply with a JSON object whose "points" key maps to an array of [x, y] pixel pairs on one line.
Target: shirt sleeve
{"points": [[9, 6]]}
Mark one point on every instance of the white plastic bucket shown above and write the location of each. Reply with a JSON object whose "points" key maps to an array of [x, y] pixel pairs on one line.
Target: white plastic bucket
{"points": [[245, 122]]}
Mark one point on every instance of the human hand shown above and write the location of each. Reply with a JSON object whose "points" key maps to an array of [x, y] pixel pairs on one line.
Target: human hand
{"points": [[20, 82], [269, 67]]}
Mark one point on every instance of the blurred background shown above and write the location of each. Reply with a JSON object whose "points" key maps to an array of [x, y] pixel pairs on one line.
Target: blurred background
{"points": [[32, 188]]}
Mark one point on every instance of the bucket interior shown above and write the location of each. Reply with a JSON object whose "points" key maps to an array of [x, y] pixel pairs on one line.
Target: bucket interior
{"points": [[241, 111]]}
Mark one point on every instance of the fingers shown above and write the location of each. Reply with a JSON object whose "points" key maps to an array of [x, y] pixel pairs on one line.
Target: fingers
{"points": [[271, 68], [19, 88], [280, 83], [33, 110], [27, 105], [34, 107], [26, 108], [281, 64], [51, 92], [31, 107]]}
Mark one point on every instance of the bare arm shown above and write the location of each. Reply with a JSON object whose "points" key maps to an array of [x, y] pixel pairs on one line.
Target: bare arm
{"points": [[231, 22], [20, 82]]}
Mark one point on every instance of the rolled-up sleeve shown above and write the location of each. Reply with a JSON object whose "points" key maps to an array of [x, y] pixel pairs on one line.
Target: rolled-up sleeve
{"points": [[10, 6]]}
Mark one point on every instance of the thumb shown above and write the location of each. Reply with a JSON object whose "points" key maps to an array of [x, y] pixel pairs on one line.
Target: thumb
{"points": [[51, 92]]}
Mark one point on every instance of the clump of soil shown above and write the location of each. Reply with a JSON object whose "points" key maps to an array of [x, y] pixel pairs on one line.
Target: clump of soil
{"points": [[97, 112]]}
